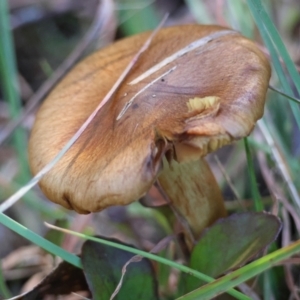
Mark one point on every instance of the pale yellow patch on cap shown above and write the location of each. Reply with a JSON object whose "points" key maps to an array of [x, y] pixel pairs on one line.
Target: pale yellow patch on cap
{"points": [[202, 104]]}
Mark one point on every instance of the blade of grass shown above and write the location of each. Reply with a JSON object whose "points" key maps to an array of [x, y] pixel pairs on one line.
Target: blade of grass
{"points": [[243, 274], [277, 66], [267, 288], [4, 291], [39, 241], [280, 163], [254, 189], [295, 99], [259, 146], [148, 255], [10, 87], [257, 8], [271, 37]]}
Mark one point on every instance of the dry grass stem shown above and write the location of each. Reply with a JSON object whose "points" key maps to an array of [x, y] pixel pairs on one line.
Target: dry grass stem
{"points": [[280, 163], [137, 258], [275, 191], [247, 290], [192, 46], [127, 105]]}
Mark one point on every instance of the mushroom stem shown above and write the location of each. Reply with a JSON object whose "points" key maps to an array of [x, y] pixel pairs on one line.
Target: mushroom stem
{"points": [[194, 194]]}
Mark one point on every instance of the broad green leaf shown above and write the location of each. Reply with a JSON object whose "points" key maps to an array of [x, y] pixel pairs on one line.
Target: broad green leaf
{"points": [[171, 263], [103, 265], [231, 242], [221, 285]]}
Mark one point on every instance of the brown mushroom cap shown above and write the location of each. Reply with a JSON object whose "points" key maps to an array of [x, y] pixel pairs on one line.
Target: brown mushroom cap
{"points": [[199, 101]]}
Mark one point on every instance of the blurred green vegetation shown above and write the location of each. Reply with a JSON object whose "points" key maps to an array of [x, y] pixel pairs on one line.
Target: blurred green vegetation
{"points": [[43, 35]]}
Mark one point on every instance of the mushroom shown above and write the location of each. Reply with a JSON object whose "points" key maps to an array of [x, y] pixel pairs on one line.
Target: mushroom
{"points": [[195, 89]]}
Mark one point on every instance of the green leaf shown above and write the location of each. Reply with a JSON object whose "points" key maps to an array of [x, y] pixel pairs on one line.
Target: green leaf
{"points": [[151, 256], [221, 285], [103, 265], [231, 242]]}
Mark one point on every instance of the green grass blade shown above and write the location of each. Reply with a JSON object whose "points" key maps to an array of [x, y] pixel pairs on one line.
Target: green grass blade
{"points": [[270, 36], [8, 72], [240, 18], [270, 138], [39, 241], [4, 291], [263, 15], [254, 189], [243, 274], [283, 79], [295, 99]]}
